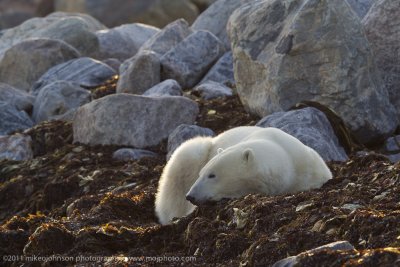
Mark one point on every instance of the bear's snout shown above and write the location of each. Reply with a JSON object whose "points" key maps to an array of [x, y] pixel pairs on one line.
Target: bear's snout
{"points": [[191, 199]]}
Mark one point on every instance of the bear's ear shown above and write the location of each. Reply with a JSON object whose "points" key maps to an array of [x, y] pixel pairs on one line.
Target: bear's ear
{"points": [[247, 155], [220, 150]]}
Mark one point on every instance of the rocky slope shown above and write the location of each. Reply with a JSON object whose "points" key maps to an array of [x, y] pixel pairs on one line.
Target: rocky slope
{"points": [[75, 200]]}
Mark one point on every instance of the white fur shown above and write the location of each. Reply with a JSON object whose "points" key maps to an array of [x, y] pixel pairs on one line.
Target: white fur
{"points": [[243, 160]]}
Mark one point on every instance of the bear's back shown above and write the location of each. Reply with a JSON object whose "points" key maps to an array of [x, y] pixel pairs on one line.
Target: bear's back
{"points": [[289, 143], [232, 137]]}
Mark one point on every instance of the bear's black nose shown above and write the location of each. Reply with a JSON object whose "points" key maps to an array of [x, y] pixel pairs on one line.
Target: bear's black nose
{"points": [[191, 199]]}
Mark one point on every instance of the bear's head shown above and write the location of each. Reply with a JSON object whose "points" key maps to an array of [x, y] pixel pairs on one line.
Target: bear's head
{"points": [[230, 174]]}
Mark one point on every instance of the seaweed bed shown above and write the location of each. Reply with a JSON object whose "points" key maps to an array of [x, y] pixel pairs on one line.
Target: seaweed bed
{"points": [[75, 201]]}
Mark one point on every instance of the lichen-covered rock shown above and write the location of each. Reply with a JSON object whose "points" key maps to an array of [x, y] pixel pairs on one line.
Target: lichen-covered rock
{"points": [[183, 133], [132, 120], [12, 119], [126, 154], [25, 62], [165, 88], [58, 98], [189, 61], [215, 18], [311, 127], [16, 147], [210, 90], [139, 73], [382, 27], [17, 98], [288, 52], [168, 37], [124, 41], [222, 71], [85, 72], [116, 12]]}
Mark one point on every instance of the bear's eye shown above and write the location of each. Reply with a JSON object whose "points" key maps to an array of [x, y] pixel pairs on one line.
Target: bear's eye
{"points": [[211, 176]]}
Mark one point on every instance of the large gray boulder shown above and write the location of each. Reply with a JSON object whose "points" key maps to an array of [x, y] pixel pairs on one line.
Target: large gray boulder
{"points": [[58, 98], [25, 62], [78, 30], [131, 120], [382, 27], [116, 12], [222, 71], [311, 127], [16, 97], [168, 37], [12, 119], [124, 41], [16, 147], [191, 59], [215, 18], [139, 73], [285, 53], [85, 72]]}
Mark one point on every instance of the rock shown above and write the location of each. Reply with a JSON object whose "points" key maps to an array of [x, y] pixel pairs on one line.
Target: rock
{"points": [[16, 98], [360, 7], [222, 71], [168, 38], [58, 98], [124, 41], [215, 18], [285, 53], [185, 132], [25, 62], [75, 29], [139, 73], [131, 120], [392, 148], [67, 116], [190, 60], [293, 260], [382, 28], [12, 119], [113, 63], [92, 24], [351, 207], [126, 154], [16, 147], [85, 72], [210, 90], [116, 12], [165, 88], [311, 127]]}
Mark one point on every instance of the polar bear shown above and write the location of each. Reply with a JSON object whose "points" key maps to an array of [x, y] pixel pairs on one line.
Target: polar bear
{"points": [[238, 162]]}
